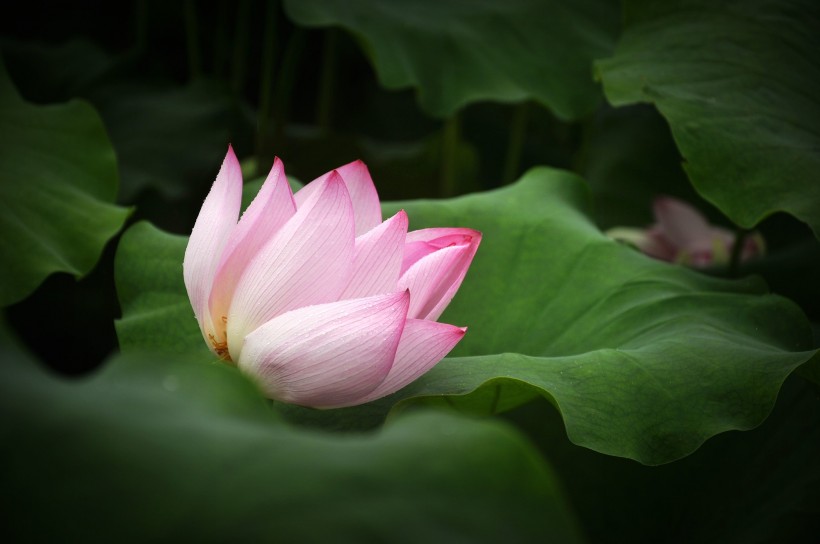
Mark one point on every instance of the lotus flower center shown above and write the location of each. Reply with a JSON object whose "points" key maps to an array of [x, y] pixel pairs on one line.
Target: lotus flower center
{"points": [[221, 348]]}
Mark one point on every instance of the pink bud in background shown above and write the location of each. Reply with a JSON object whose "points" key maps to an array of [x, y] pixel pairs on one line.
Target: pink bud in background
{"points": [[313, 295], [682, 234]]}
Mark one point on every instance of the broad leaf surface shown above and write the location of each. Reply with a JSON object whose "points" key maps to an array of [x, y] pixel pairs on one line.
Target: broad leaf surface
{"points": [[157, 447], [58, 182], [644, 359], [737, 82], [456, 53]]}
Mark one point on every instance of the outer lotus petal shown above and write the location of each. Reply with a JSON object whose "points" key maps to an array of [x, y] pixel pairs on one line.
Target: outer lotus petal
{"points": [[682, 224], [435, 278], [423, 344], [362, 193], [308, 261], [420, 243], [269, 211], [329, 354], [377, 259], [210, 234], [655, 244]]}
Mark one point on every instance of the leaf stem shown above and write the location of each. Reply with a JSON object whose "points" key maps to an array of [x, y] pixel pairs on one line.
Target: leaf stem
{"points": [[515, 147], [737, 252]]}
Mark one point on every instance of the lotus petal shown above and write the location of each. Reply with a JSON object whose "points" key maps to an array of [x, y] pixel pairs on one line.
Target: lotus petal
{"points": [[308, 261], [423, 344], [377, 259], [328, 354], [362, 191], [210, 235]]}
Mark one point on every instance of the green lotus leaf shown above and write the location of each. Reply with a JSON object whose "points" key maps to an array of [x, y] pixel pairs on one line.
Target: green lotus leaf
{"points": [[737, 83], [457, 53], [58, 182], [157, 446]]}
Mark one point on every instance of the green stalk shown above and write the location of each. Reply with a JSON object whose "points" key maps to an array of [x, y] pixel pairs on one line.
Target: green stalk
{"points": [[266, 84], [448, 184], [327, 81], [515, 147], [737, 252], [192, 40], [239, 64]]}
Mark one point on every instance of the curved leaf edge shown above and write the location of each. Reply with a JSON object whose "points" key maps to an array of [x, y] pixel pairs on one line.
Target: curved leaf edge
{"points": [[525, 392], [104, 197]]}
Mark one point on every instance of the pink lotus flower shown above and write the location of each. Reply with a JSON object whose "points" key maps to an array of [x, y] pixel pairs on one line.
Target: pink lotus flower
{"points": [[313, 295], [682, 235]]}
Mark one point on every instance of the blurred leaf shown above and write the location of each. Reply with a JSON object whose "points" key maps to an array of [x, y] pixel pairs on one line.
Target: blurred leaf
{"points": [[400, 169], [53, 73], [628, 158], [737, 82], [792, 271], [168, 138], [414, 169], [644, 359], [457, 53], [58, 182], [754, 487], [192, 451]]}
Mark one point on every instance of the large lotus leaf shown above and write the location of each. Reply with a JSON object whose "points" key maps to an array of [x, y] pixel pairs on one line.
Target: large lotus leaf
{"points": [[644, 359], [161, 447], [455, 53], [737, 82], [58, 182]]}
